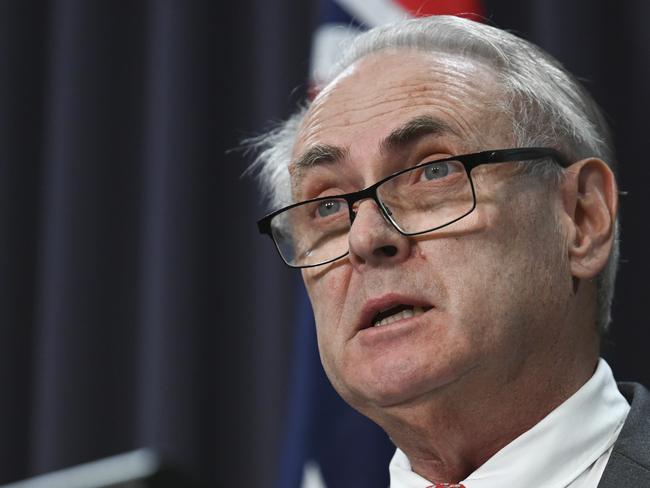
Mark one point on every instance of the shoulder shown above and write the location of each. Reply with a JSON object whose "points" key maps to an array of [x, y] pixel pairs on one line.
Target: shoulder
{"points": [[629, 464]]}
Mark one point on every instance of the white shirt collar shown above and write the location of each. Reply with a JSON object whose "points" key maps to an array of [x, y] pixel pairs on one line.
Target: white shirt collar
{"points": [[555, 451]]}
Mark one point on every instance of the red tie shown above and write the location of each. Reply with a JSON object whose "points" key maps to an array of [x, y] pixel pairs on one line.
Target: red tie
{"points": [[447, 485]]}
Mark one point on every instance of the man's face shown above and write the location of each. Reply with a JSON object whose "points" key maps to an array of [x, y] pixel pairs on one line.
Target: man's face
{"points": [[486, 293]]}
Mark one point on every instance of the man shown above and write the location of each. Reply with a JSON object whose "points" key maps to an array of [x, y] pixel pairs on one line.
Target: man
{"points": [[455, 223]]}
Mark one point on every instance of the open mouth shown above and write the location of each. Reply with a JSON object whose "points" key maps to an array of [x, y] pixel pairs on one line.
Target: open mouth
{"points": [[397, 312]]}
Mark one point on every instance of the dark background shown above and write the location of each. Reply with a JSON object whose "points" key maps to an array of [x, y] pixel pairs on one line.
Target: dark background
{"points": [[138, 306]]}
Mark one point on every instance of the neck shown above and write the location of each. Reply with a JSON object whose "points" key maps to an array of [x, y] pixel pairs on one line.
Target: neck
{"points": [[449, 433]]}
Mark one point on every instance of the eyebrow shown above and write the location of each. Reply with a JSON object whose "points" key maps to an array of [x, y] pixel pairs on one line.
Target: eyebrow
{"points": [[414, 129], [411, 131], [319, 154]]}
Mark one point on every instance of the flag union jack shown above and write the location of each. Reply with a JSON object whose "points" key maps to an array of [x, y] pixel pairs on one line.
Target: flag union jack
{"points": [[341, 20]]}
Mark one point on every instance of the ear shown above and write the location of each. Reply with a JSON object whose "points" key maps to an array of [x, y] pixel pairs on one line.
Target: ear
{"points": [[590, 198]]}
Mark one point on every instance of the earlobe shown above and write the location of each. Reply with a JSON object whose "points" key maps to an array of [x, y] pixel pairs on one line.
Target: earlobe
{"points": [[591, 200]]}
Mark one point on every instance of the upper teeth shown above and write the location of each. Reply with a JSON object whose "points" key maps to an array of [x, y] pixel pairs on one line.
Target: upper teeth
{"points": [[404, 314]]}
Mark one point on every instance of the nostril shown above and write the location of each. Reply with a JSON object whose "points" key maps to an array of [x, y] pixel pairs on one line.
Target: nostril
{"points": [[388, 251]]}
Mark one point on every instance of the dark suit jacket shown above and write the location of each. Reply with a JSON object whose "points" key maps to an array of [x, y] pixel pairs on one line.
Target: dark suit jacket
{"points": [[629, 464]]}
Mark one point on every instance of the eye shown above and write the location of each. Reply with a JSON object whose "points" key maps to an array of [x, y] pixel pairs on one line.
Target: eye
{"points": [[328, 207], [436, 171]]}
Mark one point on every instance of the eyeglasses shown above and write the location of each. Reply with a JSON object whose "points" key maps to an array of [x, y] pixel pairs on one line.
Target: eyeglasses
{"points": [[416, 200]]}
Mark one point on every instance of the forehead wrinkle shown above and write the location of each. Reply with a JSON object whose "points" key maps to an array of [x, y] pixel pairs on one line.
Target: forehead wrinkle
{"points": [[453, 77], [338, 115], [393, 94]]}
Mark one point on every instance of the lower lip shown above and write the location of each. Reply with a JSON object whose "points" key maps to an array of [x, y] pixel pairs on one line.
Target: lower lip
{"points": [[377, 334]]}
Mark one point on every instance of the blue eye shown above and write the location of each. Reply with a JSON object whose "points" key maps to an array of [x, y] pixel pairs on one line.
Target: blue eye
{"points": [[328, 207], [436, 171]]}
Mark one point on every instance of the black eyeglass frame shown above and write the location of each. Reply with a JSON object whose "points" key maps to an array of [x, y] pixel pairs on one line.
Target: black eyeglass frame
{"points": [[469, 161]]}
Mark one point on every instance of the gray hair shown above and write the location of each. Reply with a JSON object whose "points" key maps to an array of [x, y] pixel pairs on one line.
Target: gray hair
{"points": [[547, 106]]}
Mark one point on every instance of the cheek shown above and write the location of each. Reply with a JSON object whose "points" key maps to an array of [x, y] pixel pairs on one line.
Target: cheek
{"points": [[515, 255], [327, 292], [476, 292], [327, 295], [518, 270]]}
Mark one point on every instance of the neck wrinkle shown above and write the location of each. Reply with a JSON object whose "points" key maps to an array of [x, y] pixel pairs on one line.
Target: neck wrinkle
{"points": [[447, 440]]}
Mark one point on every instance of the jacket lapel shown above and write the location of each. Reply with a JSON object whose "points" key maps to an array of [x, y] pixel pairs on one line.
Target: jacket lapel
{"points": [[629, 464]]}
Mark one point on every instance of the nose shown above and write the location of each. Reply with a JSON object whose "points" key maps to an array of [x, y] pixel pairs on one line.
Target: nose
{"points": [[373, 240]]}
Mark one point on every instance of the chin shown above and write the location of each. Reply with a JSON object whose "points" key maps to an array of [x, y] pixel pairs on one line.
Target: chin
{"points": [[394, 384]]}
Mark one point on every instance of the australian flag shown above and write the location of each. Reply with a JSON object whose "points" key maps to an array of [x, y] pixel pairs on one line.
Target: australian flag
{"points": [[327, 444]]}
